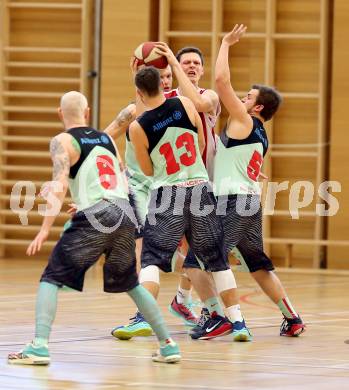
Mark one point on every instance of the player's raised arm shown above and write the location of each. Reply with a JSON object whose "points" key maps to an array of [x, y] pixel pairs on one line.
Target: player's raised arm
{"points": [[141, 145], [237, 110]]}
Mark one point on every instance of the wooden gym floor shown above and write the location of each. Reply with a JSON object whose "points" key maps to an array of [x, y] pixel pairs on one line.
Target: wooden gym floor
{"points": [[85, 355]]}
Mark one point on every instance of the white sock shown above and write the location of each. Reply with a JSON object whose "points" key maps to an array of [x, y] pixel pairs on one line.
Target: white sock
{"points": [[183, 296], [234, 313]]}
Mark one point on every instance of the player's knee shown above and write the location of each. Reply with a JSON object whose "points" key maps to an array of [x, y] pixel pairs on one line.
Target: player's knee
{"points": [[224, 280], [150, 274]]}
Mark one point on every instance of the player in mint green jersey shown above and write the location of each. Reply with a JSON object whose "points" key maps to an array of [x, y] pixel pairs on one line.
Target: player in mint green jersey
{"points": [[242, 146], [139, 185], [87, 161], [188, 67], [168, 141]]}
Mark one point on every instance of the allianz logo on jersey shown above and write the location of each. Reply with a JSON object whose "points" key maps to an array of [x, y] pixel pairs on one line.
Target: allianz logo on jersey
{"points": [[95, 141], [177, 115]]}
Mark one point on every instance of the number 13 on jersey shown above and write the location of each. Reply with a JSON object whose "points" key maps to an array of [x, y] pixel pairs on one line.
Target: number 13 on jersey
{"points": [[188, 158]]}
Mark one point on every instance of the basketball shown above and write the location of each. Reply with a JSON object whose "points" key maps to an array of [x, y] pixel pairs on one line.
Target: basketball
{"points": [[146, 54]]}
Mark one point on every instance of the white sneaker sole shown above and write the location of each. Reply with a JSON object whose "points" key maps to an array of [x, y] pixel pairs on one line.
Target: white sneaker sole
{"points": [[30, 360], [207, 337]]}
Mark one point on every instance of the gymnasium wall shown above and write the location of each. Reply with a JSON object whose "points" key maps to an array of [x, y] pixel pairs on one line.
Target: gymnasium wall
{"points": [[125, 26], [45, 51], [338, 225], [287, 45]]}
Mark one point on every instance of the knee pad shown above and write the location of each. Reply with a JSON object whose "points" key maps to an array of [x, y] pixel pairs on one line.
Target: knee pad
{"points": [[224, 280], [150, 274]]}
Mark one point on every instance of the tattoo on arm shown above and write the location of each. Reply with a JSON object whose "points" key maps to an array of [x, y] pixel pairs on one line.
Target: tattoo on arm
{"points": [[124, 118], [60, 159]]}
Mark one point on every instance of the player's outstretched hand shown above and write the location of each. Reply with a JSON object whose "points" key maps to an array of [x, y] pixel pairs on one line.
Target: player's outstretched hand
{"points": [[163, 49], [36, 244], [235, 34]]}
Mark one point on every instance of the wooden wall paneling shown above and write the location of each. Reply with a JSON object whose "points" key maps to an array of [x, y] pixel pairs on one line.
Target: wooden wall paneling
{"points": [[252, 13], [297, 75], [269, 79], [45, 56], [164, 22], [319, 232], [125, 25], [285, 46], [4, 40], [297, 69], [85, 44], [193, 24], [191, 16], [298, 16], [338, 225], [217, 24]]}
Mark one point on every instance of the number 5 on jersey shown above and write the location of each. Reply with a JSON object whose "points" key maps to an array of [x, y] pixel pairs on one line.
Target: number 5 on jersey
{"points": [[254, 166]]}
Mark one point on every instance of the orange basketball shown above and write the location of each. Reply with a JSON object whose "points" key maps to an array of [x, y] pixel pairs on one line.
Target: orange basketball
{"points": [[146, 54]]}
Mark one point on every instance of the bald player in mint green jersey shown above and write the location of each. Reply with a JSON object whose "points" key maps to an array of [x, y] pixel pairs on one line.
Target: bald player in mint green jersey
{"points": [[241, 149], [87, 162]]}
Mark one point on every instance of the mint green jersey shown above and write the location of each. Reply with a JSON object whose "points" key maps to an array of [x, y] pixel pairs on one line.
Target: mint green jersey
{"points": [[173, 145], [97, 174], [238, 162], [177, 160]]}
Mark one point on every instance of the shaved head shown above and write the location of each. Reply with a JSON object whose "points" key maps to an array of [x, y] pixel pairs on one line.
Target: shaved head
{"points": [[73, 106]]}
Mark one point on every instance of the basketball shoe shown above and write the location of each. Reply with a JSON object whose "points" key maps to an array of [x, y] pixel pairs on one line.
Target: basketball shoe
{"points": [[215, 326], [241, 332], [138, 326], [292, 327], [31, 354], [184, 312], [168, 353], [204, 316]]}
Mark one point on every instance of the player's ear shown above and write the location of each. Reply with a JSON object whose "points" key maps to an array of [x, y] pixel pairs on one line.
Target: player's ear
{"points": [[60, 114], [87, 114], [258, 108]]}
